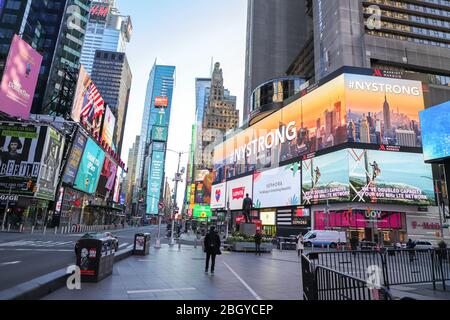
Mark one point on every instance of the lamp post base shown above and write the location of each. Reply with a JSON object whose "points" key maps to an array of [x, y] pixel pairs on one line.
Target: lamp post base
{"points": [[158, 244]]}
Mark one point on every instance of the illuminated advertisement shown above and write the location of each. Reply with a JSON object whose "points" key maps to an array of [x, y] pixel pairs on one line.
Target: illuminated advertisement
{"points": [[278, 187], [21, 150], [90, 167], [107, 178], [349, 108], [161, 102], [116, 196], [19, 80], [237, 190], [435, 124], [154, 182], [51, 162], [218, 198], [202, 212], [88, 105], [326, 178], [109, 124], [199, 190], [268, 218], [99, 11], [390, 177], [160, 133], [74, 160]]}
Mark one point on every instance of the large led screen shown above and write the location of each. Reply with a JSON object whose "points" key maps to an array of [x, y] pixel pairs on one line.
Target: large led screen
{"points": [[435, 123], [390, 177], [19, 80], [155, 181], [107, 178], [349, 108], [74, 160], [278, 187], [90, 167], [218, 197], [326, 178], [109, 124], [237, 190]]}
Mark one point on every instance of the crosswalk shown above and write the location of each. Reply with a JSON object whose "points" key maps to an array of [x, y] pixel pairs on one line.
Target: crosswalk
{"points": [[36, 244]]}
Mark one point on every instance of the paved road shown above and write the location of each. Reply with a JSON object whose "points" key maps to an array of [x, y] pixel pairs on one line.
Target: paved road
{"points": [[24, 257]]}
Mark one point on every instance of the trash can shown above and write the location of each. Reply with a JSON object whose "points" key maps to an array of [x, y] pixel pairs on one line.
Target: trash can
{"points": [[95, 258], [141, 244]]}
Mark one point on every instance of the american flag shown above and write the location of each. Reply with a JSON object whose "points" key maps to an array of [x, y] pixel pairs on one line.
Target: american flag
{"points": [[95, 105]]}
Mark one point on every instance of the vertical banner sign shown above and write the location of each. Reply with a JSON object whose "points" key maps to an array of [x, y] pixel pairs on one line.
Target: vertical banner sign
{"points": [[51, 161], [19, 79], [90, 168], [75, 158], [155, 182], [109, 123]]}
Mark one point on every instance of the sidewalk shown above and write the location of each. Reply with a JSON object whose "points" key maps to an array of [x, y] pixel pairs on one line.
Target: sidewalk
{"points": [[423, 291], [169, 274]]}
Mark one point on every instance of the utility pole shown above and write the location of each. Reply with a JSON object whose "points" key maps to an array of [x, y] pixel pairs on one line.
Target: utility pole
{"points": [[177, 179]]}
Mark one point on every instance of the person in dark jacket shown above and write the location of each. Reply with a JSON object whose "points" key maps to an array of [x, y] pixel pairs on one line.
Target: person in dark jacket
{"points": [[258, 240], [212, 248], [247, 206]]}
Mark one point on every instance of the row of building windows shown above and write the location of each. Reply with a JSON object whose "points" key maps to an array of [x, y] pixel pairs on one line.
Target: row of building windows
{"points": [[413, 7], [412, 18], [411, 39]]}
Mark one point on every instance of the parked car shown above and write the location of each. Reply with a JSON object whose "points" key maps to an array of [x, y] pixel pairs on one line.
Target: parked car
{"points": [[423, 245], [99, 235], [324, 238]]}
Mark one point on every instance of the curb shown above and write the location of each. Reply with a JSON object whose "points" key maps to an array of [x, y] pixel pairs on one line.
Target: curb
{"points": [[40, 287]]}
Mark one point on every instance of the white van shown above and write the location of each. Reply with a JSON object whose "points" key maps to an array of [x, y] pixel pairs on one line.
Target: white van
{"points": [[325, 238]]}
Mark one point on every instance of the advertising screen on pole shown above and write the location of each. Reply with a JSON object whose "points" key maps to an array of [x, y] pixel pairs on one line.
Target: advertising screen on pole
{"points": [[109, 124], [21, 149], [202, 212], [51, 162], [107, 178], [88, 104], [435, 123], [350, 108], [74, 160], [326, 177], [218, 198], [236, 191], [390, 177], [19, 80], [90, 167], [155, 180], [279, 187]]}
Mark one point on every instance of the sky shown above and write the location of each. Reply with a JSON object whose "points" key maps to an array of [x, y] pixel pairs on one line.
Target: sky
{"points": [[186, 34]]}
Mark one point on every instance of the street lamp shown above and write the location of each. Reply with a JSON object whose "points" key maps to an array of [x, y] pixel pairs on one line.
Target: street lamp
{"points": [[177, 179]]}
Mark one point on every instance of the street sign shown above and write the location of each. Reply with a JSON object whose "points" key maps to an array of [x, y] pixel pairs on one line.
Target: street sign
{"points": [[161, 205]]}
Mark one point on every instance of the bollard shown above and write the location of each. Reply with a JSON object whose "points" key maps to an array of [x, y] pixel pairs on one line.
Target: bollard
{"points": [[56, 230], [195, 243], [45, 229], [179, 245], [21, 228], [9, 227], [32, 229]]}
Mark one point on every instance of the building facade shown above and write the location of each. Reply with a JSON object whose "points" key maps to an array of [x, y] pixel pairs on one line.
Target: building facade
{"points": [[219, 117], [153, 141], [53, 30], [111, 74], [131, 175], [107, 30], [276, 31]]}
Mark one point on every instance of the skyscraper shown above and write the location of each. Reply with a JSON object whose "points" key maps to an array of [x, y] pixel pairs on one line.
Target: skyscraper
{"points": [[107, 30], [154, 135], [387, 115], [52, 28], [276, 31], [131, 175], [220, 115], [111, 74], [364, 131]]}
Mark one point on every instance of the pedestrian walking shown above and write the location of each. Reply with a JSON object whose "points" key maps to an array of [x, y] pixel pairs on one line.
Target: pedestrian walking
{"points": [[212, 248], [410, 245], [258, 240], [300, 245]]}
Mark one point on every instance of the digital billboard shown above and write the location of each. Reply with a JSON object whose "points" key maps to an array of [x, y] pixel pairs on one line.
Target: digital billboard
{"points": [[51, 162], [390, 177], [350, 108], [279, 187], [156, 175], [88, 105], [218, 198], [326, 178], [107, 178], [202, 212], [160, 133], [109, 124], [116, 196], [90, 167], [74, 160], [435, 123], [21, 149], [236, 191], [19, 80]]}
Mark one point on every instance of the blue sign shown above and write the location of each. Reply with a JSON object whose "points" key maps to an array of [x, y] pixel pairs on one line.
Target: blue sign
{"points": [[436, 132], [90, 168], [156, 175]]}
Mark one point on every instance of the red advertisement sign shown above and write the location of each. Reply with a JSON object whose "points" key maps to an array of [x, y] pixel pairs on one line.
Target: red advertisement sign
{"points": [[161, 102], [238, 193]]}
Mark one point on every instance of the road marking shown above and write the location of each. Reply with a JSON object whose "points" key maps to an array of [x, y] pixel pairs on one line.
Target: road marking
{"points": [[161, 290], [243, 282], [9, 263], [39, 250], [142, 260], [123, 245]]}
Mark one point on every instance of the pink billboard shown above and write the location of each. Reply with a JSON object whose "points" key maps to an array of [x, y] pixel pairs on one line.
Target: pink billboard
{"points": [[19, 79]]}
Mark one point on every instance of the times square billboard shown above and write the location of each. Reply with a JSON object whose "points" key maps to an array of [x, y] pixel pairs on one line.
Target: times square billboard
{"points": [[352, 109]]}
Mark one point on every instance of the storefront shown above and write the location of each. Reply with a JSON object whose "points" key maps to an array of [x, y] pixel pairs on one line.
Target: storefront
{"points": [[426, 227]]}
